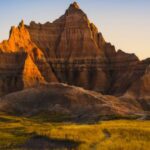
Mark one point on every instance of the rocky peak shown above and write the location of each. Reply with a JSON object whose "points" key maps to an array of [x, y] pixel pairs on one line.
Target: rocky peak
{"points": [[126, 56], [74, 9], [19, 39], [74, 5], [21, 24]]}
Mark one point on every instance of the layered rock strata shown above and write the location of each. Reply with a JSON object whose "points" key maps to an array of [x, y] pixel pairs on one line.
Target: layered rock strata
{"points": [[72, 51]]}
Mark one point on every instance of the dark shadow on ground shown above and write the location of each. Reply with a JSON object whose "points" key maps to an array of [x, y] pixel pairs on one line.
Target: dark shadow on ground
{"points": [[44, 143]]}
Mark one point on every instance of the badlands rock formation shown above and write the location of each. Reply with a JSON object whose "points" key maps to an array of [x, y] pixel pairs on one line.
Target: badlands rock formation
{"points": [[73, 47], [22, 63], [80, 56], [71, 50]]}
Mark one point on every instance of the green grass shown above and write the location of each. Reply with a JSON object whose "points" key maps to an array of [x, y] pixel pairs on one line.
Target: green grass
{"points": [[105, 135]]}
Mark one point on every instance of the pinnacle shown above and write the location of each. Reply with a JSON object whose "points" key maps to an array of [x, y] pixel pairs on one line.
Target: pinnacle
{"points": [[74, 5], [74, 8], [21, 24]]}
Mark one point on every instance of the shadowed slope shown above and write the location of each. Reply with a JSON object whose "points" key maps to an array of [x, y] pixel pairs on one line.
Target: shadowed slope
{"points": [[63, 99]]}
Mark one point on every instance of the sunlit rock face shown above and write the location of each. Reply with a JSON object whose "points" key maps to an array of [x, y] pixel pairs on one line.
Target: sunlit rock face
{"points": [[17, 71], [69, 50], [22, 63]]}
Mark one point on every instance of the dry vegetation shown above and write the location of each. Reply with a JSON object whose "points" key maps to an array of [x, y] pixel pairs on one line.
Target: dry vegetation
{"points": [[20, 133]]}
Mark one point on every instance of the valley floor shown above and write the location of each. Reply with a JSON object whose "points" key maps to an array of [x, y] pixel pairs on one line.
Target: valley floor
{"points": [[17, 133]]}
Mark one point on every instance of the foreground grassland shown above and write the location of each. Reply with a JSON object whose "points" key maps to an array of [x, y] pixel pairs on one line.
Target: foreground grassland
{"points": [[18, 133]]}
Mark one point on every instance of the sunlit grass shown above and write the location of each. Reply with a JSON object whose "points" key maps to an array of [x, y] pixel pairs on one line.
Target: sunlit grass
{"points": [[106, 135]]}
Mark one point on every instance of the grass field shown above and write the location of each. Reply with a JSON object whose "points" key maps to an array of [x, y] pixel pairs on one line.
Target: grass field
{"points": [[18, 133]]}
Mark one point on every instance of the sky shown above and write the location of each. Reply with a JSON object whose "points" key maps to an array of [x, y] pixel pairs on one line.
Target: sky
{"points": [[124, 23]]}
